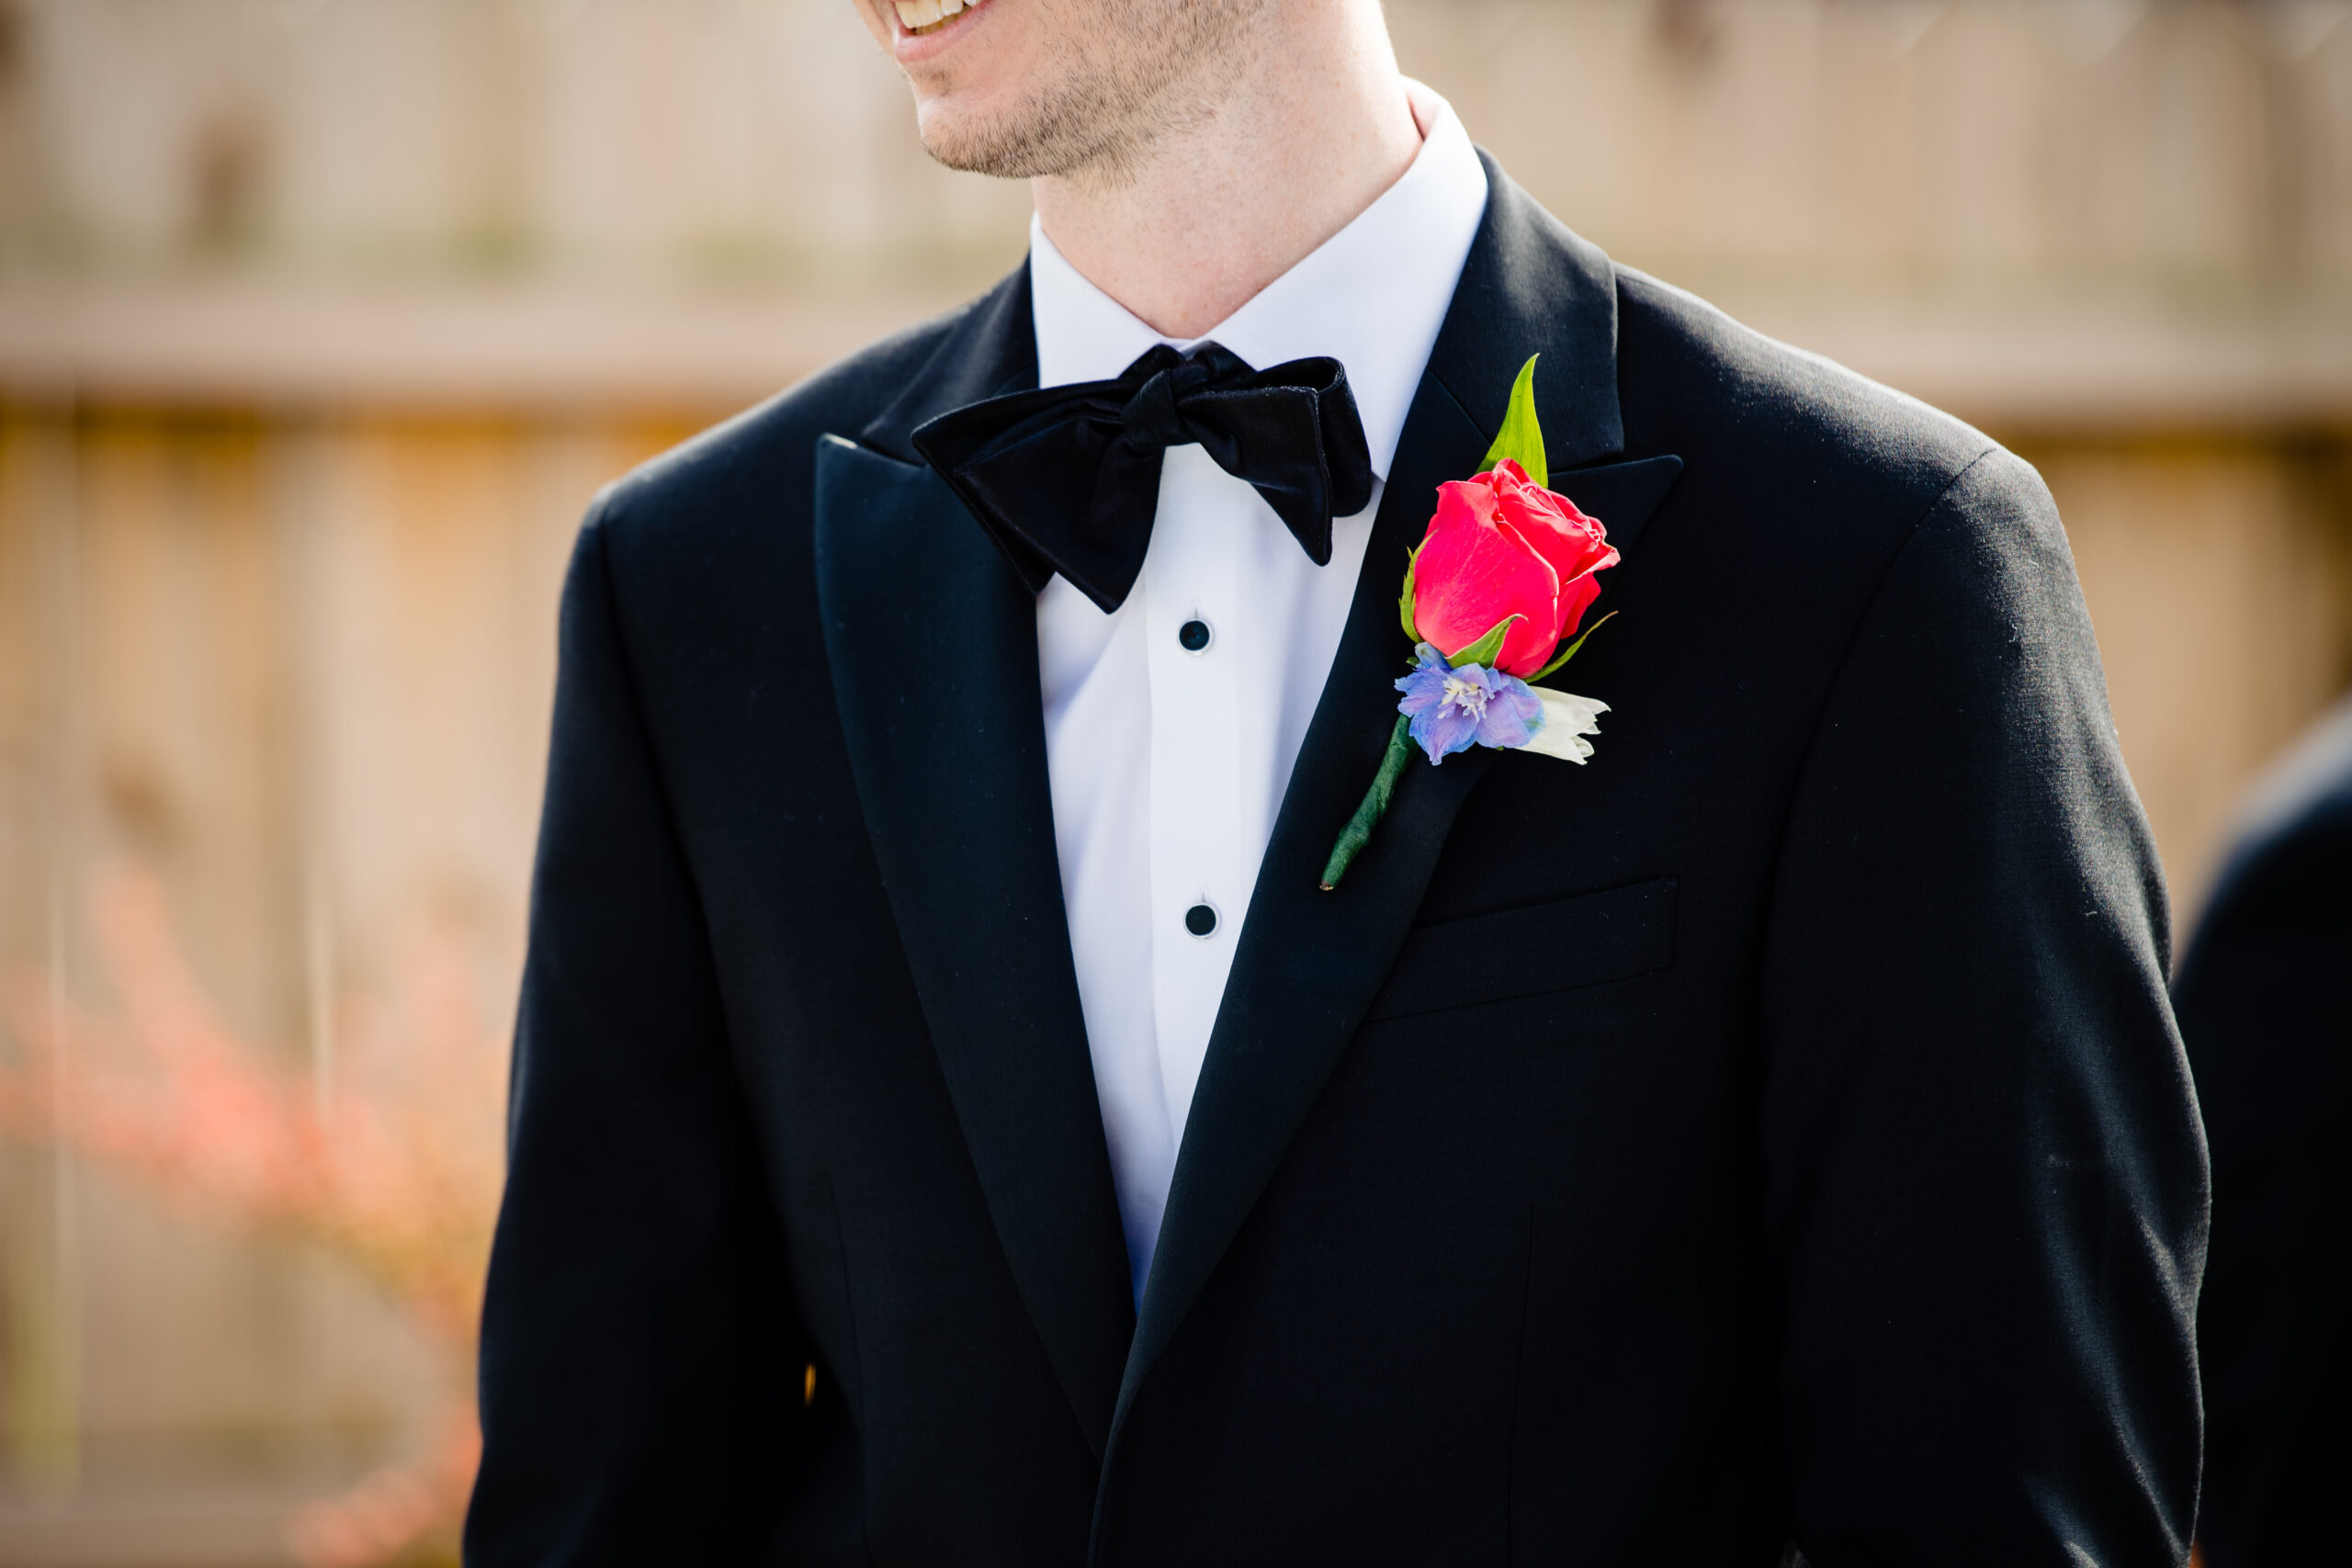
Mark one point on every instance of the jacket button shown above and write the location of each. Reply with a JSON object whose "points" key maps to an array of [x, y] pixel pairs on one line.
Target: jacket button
{"points": [[1195, 635], [1201, 919]]}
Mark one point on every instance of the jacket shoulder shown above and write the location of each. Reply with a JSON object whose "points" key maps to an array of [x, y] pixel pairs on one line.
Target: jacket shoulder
{"points": [[1785, 423], [1887, 538], [707, 549], [747, 462]]}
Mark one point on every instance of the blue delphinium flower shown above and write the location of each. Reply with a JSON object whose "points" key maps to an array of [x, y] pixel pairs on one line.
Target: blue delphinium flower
{"points": [[1452, 709]]}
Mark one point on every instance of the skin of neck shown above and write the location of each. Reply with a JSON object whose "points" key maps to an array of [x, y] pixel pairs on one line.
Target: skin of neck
{"points": [[1306, 126]]}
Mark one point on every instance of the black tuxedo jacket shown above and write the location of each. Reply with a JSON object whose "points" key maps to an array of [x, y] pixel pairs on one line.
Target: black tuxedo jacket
{"points": [[2265, 1001], [1772, 1130]]}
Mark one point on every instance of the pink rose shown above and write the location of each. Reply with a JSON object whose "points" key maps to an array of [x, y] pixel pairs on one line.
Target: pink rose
{"points": [[1503, 545]]}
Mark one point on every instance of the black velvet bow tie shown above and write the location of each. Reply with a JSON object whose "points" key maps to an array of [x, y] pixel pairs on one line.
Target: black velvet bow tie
{"points": [[1066, 479]]}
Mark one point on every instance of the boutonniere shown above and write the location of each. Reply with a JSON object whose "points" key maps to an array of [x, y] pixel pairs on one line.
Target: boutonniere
{"points": [[1500, 583]]}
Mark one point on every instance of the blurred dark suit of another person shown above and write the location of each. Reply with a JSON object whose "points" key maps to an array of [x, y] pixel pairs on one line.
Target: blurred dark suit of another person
{"points": [[2265, 998]]}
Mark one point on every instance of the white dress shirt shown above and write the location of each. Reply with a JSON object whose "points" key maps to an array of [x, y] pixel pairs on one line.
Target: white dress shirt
{"points": [[1168, 766]]}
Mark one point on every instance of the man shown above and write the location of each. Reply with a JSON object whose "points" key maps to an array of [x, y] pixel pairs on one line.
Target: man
{"points": [[952, 1123], [2265, 996]]}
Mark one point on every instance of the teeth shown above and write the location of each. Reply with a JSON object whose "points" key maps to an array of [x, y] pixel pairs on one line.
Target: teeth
{"points": [[920, 16]]}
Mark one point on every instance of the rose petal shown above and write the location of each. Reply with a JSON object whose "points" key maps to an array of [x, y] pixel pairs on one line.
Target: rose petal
{"points": [[1573, 543], [1471, 573], [1575, 598], [1529, 641]]}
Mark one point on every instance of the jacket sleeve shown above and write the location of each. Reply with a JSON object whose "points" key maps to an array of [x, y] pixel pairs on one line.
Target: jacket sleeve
{"points": [[1985, 1183], [639, 1361]]}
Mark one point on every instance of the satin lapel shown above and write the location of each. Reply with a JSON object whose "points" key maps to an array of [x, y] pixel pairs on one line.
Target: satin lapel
{"points": [[1309, 962], [1622, 495], [933, 648]]}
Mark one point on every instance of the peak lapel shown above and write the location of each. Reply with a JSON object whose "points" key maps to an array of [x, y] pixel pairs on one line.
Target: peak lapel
{"points": [[932, 644], [1309, 962]]}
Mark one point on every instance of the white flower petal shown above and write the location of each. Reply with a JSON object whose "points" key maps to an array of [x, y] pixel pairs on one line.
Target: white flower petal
{"points": [[1566, 720]]}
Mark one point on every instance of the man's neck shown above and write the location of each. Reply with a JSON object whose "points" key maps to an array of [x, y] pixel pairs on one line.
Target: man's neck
{"points": [[1316, 127]]}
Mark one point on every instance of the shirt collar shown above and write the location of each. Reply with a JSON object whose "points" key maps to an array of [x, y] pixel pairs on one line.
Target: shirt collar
{"points": [[1373, 295]]}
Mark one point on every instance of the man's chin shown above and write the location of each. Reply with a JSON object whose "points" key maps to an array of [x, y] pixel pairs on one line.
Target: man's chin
{"points": [[951, 138], [973, 142]]}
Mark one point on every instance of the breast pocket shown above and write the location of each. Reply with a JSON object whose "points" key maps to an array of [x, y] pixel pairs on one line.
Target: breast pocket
{"points": [[1587, 939]]}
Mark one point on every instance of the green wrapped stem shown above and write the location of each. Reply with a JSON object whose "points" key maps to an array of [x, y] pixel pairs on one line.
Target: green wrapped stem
{"points": [[1357, 831]]}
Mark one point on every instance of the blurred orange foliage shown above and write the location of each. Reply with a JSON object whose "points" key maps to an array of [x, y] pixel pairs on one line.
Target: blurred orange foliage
{"points": [[394, 1165]]}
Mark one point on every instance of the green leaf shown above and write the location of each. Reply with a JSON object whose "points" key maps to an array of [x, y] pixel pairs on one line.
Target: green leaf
{"points": [[1521, 437], [1570, 651], [1404, 603], [1483, 651]]}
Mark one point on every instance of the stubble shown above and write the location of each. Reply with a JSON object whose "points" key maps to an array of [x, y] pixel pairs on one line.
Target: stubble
{"points": [[1135, 74]]}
